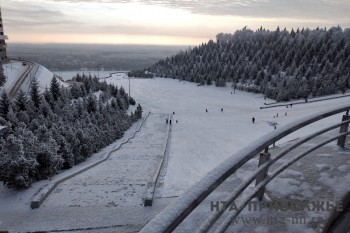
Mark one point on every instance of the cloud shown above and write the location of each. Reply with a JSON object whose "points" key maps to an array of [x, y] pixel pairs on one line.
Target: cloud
{"points": [[33, 15], [135, 18], [317, 9]]}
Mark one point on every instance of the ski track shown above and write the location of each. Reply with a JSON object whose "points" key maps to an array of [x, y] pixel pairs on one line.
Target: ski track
{"points": [[121, 180]]}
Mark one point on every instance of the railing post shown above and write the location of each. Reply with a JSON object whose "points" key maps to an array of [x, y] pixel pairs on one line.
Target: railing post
{"points": [[264, 157], [344, 128]]}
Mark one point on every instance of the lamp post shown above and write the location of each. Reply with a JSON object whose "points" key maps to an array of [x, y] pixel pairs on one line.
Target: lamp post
{"points": [[129, 86]]}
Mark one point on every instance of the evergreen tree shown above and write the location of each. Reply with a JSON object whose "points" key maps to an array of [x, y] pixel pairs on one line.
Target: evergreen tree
{"points": [[34, 92], [55, 88], [245, 57], [91, 104], [138, 112], [2, 75], [4, 104], [21, 101], [59, 133], [49, 162], [15, 167]]}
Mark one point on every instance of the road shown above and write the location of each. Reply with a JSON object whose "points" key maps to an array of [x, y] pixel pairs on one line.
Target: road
{"points": [[22, 78]]}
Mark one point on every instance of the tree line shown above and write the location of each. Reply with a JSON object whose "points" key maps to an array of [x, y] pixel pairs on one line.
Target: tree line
{"points": [[59, 128], [280, 64]]}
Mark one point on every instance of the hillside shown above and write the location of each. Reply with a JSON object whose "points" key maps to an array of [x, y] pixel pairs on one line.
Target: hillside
{"points": [[282, 65], [60, 127], [13, 70]]}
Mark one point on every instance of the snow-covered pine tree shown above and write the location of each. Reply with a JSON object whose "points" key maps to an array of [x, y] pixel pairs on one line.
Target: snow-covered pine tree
{"points": [[47, 157], [240, 56], [34, 92], [21, 100], [91, 104], [16, 169], [138, 111], [60, 133], [55, 88], [4, 104], [2, 75]]}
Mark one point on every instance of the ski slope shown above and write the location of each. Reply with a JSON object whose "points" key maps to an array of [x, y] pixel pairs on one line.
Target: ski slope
{"points": [[201, 141], [14, 69]]}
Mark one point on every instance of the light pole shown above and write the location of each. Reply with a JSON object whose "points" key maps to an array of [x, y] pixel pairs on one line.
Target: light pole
{"points": [[129, 86]]}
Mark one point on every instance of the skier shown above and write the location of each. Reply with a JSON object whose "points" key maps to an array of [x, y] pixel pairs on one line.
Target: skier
{"points": [[170, 121], [176, 121], [277, 115], [285, 114], [167, 120], [173, 112], [253, 120], [206, 110], [222, 109]]}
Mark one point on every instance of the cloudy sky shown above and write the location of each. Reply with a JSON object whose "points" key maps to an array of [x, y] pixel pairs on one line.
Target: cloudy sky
{"points": [[185, 22]]}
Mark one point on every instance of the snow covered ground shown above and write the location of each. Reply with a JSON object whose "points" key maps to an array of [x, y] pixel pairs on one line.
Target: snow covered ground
{"points": [[44, 77], [201, 141], [14, 69]]}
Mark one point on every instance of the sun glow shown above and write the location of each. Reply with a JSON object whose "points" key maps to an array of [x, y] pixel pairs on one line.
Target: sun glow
{"points": [[41, 21]]}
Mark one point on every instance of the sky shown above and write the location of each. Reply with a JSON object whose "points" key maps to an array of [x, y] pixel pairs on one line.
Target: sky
{"points": [[161, 22]]}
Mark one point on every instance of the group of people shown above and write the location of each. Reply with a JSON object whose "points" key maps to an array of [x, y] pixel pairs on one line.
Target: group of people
{"points": [[222, 109], [169, 120], [285, 114]]}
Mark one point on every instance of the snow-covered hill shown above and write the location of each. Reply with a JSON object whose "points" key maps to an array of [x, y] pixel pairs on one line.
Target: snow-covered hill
{"points": [[14, 69], [201, 141]]}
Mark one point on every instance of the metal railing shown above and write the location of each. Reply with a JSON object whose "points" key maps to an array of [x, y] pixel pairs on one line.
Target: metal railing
{"points": [[176, 212]]}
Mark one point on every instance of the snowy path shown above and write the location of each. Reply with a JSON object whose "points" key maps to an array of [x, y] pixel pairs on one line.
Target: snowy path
{"points": [[109, 196], [121, 180]]}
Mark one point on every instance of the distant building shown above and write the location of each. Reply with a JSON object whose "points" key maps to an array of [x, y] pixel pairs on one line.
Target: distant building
{"points": [[3, 37]]}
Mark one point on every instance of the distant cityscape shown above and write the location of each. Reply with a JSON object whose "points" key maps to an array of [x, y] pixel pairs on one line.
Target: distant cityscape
{"points": [[68, 57]]}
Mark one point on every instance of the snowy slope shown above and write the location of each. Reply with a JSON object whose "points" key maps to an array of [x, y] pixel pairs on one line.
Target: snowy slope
{"points": [[14, 69], [43, 75], [201, 141]]}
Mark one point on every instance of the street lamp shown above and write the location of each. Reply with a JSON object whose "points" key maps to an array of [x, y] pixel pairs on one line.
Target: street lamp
{"points": [[129, 86]]}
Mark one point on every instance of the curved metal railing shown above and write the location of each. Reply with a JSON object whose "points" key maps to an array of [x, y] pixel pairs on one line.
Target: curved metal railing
{"points": [[175, 213]]}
